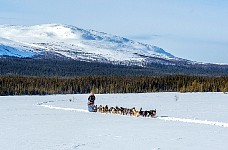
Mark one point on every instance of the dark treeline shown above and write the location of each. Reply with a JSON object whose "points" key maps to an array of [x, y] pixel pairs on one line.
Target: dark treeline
{"points": [[71, 68], [24, 85]]}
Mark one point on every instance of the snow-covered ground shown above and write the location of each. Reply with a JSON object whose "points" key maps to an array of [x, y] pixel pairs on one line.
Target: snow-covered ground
{"points": [[185, 122]]}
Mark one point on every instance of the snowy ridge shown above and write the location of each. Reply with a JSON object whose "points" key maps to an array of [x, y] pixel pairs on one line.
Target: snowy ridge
{"points": [[75, 43]]}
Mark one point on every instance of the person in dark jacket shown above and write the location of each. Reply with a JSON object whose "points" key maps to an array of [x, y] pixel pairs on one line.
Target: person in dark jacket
{"points": [[91, 101]]}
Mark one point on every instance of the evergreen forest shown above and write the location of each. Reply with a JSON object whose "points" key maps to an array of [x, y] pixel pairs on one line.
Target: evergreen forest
{"points": [[28, 85]]}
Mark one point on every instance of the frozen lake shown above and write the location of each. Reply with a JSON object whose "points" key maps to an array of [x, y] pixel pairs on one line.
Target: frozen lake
{"points": [[193, 121]]}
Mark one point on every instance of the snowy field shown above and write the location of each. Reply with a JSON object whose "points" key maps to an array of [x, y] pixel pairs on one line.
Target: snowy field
{"points": [[188, 121]]}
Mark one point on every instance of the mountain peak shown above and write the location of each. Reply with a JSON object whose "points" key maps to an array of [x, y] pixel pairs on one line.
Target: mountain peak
{"points": [[75, 43]]}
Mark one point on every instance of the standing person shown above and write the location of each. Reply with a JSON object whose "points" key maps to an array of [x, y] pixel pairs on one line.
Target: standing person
{"points": [[91, 101]]}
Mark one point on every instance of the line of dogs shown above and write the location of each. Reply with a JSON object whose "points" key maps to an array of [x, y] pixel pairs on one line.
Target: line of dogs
{"points": [[125, 111]]}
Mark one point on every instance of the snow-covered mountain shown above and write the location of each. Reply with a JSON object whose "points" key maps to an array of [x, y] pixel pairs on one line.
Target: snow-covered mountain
{"points": [[71, 42]]}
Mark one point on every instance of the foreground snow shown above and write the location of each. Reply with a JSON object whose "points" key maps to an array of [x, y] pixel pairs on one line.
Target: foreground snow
{"points": [[185, 121]]}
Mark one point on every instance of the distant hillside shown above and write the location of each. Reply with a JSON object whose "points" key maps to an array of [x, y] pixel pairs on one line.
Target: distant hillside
{"points": [[64, 50], [70, 68]]}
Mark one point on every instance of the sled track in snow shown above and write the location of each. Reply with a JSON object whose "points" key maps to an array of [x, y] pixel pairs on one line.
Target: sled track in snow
{"points": [[193, 121], [63, 108]]}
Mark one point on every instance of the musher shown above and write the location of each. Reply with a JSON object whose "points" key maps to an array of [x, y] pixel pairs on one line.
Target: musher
{"points": [[91, 101]]}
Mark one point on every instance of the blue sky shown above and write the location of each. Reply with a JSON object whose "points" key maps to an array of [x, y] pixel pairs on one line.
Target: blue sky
{"points": [[191, 29]]}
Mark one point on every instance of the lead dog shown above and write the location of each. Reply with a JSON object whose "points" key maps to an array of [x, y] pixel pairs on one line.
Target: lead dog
{"points": [[150, 113]]}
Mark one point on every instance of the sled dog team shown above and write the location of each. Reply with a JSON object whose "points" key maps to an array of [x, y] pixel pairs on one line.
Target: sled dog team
{"points": [[117, 110], [124, 111]]}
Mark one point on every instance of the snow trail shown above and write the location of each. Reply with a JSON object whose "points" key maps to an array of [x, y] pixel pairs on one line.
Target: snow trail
{"points": [[205, 122], [195, 121], [63, 108]]}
